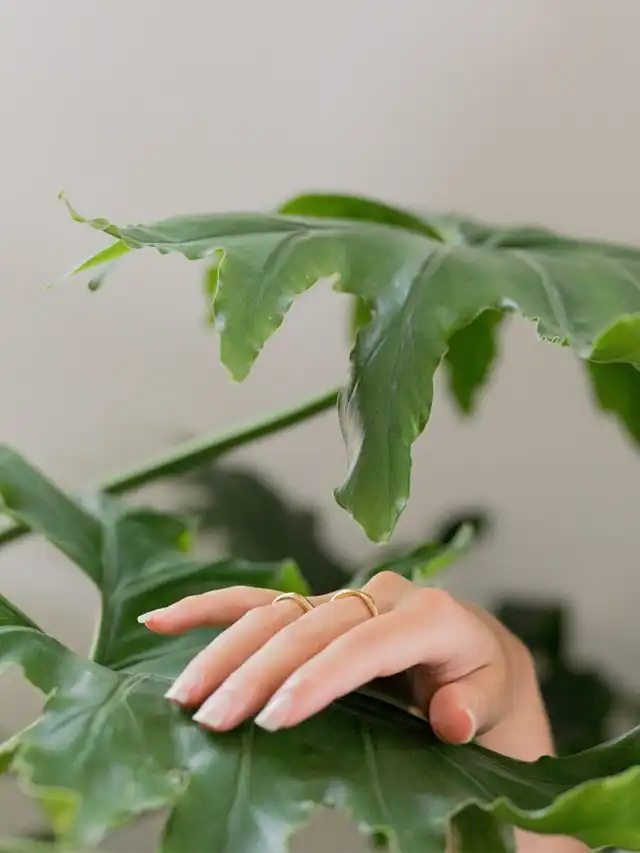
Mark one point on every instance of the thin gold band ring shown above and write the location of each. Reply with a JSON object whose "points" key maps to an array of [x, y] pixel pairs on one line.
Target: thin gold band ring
{"points": [[366, 599], [295, 596]]}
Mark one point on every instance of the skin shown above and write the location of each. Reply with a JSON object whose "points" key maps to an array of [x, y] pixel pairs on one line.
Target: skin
{"points": [[453, 661]]}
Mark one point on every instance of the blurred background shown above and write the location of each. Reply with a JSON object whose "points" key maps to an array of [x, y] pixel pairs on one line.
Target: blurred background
{"points": [[508, 111]]}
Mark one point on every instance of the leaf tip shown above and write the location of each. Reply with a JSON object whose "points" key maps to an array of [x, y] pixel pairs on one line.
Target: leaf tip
{"points": [[376, 532]]}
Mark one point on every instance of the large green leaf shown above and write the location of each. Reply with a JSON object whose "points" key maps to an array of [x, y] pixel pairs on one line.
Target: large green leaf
{"points": [[108, 746], [421, 291], [472, 349]]}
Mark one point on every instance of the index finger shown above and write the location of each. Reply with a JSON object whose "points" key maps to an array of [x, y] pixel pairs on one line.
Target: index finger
{"points": [[214, 609]]}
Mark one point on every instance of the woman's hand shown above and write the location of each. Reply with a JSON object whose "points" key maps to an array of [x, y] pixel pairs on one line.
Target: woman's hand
{"points": [[465, 671], [462, 669]]}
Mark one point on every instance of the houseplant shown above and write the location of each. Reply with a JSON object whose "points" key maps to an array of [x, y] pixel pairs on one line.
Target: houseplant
{"points": [[108, 747]]}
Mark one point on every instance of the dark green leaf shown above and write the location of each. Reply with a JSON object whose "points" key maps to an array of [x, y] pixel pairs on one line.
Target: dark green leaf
{"points": [[73, 530], [617, 389], [471, 354], [108, 746], [421, 291]]}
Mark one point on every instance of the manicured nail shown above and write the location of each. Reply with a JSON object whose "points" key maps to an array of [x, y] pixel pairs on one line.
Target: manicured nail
{"points": [[144, 618], [216, 710], [274, 715], [473, 726], [182, 688]]}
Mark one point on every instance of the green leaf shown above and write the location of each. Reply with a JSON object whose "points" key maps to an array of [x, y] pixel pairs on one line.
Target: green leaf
{"points": [[616, 388], [620, 342], [108, 746], [360, 315], [471, 353], [107, 256], [360, 209], [421, 291], [73, 530]]}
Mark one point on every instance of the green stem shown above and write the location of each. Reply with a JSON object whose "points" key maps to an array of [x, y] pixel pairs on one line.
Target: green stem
{"points": [[195, 452]]}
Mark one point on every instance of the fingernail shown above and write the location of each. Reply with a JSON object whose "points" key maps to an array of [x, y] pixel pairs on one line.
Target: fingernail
{"points": [[216, 710], [144, 618], [473, 726], [275, 712], [182, 688]]}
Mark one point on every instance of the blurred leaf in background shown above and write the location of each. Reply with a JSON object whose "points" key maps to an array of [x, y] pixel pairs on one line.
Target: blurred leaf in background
{"points": [[256, 521], [254, 518]]}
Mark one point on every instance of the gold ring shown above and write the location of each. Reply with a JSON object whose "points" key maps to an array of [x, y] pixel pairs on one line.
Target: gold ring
{"points": [[358, 593], [295, 596]]}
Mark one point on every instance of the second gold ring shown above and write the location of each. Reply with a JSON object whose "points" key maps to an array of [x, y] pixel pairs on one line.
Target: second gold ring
{"points": [[366, 599]]}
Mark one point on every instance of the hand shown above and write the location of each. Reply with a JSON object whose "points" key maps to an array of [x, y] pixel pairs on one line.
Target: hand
{"points": [[463, 670]]}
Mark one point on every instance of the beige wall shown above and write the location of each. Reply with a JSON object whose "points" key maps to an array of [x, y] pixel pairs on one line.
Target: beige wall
{"points": [[139, 108]]}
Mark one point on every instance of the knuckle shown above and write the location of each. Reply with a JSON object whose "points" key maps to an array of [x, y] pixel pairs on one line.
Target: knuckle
{"points": [[435, 599], [389, 580]]}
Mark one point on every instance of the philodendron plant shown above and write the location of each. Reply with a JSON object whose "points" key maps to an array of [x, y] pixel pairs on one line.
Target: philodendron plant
{"points": [[428, 290]]}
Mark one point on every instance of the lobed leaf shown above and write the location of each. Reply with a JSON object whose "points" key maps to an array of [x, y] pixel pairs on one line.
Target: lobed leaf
{"points": [[423, 279]]}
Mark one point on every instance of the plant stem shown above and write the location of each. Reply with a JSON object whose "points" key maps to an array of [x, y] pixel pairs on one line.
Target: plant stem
{"points": [[196, 451]]}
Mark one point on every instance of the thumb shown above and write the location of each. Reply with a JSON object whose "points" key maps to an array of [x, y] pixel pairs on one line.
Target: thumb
{"points": [[467, 707]]}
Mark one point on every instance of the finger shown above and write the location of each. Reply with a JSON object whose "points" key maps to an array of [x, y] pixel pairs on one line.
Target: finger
{"points": [[230, 650], [410, 635], [217, 608], [250, 686]]}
